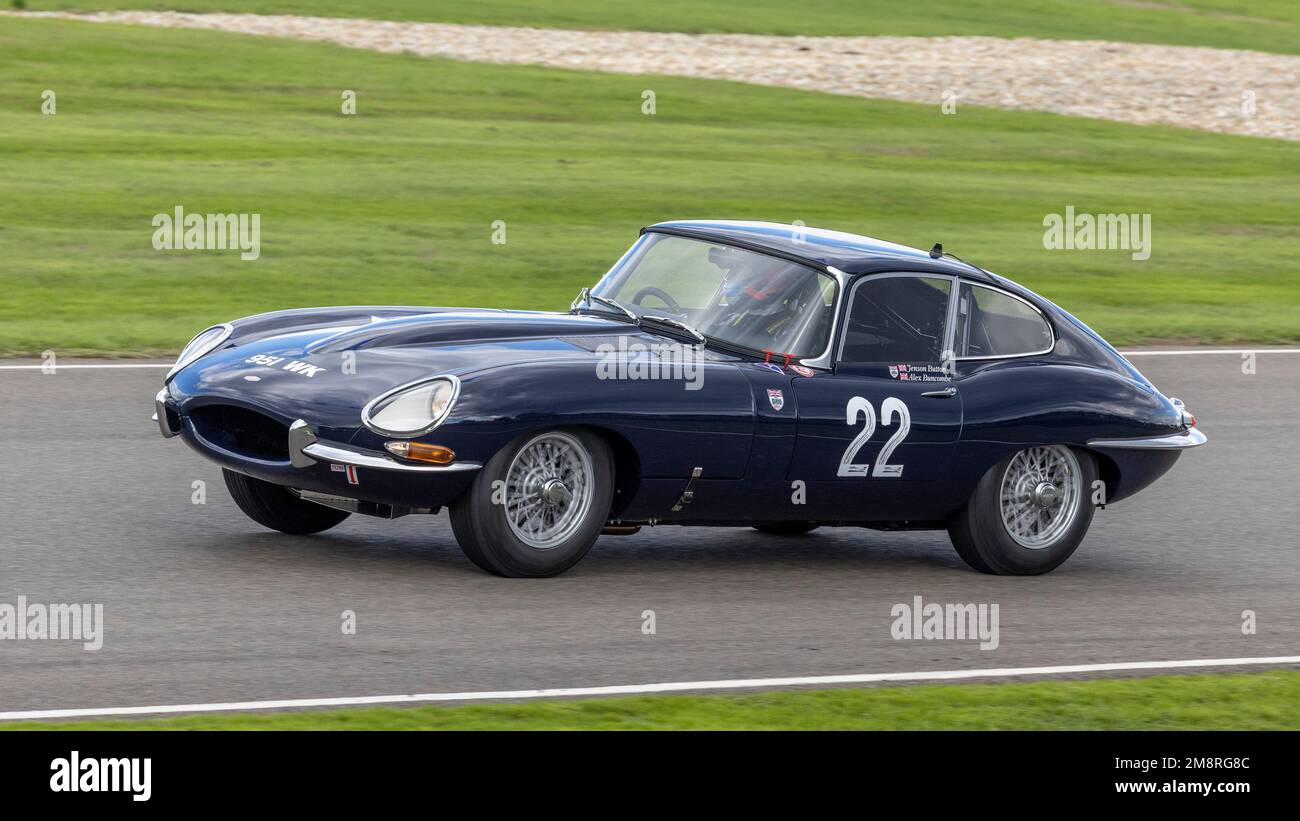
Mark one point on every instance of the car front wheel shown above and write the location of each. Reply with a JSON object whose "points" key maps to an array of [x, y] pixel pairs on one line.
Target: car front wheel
{"points": [[276, 507], [538, 505], [1028, 513]]}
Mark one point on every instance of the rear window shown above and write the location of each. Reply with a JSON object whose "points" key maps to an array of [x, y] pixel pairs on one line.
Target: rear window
{"points": [[993, 323]]}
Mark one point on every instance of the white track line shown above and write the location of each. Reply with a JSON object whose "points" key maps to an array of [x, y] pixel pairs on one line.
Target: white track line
{"points": [[83, 367], [1192, 352], [636, 689]]}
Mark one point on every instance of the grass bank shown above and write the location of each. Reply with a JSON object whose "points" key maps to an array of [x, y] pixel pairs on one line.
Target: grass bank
{"points": [[397, 203], [1247, 701]]}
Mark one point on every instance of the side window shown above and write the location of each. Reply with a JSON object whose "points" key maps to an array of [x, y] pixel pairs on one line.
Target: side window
{"points": [[991, 323], [897, 319]]}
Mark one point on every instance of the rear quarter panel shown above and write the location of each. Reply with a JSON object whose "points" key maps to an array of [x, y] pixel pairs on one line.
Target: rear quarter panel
{"points": [[1013, 404]]}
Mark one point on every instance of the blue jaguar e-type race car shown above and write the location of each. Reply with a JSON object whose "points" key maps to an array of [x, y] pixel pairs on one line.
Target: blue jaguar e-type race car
{"points": [[721, 373]]}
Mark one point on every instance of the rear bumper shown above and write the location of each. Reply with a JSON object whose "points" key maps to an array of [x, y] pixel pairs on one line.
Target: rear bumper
{"points": [[329, 467], [1138, 462], [1176, 441]]}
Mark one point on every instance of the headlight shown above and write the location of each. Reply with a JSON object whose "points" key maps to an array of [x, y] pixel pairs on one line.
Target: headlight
{"points": [[200, 346], [412, 409]]}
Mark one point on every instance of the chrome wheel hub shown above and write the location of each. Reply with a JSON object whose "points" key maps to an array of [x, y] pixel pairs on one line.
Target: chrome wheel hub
{"points": [[1046, 494], [1042, 490], [555, 492], [548, 490]]}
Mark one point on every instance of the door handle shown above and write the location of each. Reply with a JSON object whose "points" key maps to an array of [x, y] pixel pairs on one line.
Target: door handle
{"points": [[946, 393]]}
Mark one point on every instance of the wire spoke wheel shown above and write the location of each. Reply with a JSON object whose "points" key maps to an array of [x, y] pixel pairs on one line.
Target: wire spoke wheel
{"points": [[1040, 495], [549, 488]]}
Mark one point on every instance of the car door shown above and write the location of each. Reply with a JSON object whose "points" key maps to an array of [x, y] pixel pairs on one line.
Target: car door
{"points": [[876, 437]]}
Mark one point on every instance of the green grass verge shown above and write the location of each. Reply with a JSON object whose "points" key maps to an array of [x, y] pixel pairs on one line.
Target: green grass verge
{"points": [[1266, 25], [395, 204], [1247, 701]]}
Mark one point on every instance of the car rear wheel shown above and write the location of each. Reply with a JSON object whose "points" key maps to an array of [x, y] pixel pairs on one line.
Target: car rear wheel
{"points": [[538, 506], [276, 507], [1028, 514], [786, 528]]}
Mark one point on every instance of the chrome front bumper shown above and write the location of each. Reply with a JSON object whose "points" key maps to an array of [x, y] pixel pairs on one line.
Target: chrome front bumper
{"points": [[1176, 441], [306, 450]]}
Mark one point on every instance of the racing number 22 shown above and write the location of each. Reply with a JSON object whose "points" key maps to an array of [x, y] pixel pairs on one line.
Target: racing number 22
{"points": [[888, 409]]}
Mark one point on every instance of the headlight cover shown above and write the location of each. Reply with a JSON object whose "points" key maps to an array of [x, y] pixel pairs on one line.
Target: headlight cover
{"points": [[201, 345], [412, 409]]}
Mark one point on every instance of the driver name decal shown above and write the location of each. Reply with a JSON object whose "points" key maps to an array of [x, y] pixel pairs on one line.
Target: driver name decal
{"points": [[904, 371]]}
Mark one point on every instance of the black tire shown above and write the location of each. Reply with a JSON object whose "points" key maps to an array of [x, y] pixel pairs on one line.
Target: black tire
{"points": [[983, 541], [787, 528], [273, 506], [486, 536]]}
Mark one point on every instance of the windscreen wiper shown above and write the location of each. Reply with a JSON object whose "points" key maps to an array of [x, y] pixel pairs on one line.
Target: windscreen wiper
{"points": [[699, 338], [587, 297]]}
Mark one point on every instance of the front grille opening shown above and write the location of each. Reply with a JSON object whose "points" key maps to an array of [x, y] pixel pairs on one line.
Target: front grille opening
{"points": [[242, 431]]}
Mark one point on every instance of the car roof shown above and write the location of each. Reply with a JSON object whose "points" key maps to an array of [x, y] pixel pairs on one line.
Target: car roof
{"points": [[850, 253]]}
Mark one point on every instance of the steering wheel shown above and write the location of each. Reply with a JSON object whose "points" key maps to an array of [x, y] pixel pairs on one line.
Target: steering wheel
{"points": [[663, 295]]}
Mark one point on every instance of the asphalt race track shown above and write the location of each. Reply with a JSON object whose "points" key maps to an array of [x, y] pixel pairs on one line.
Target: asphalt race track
{"points": [[201, 605]]}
